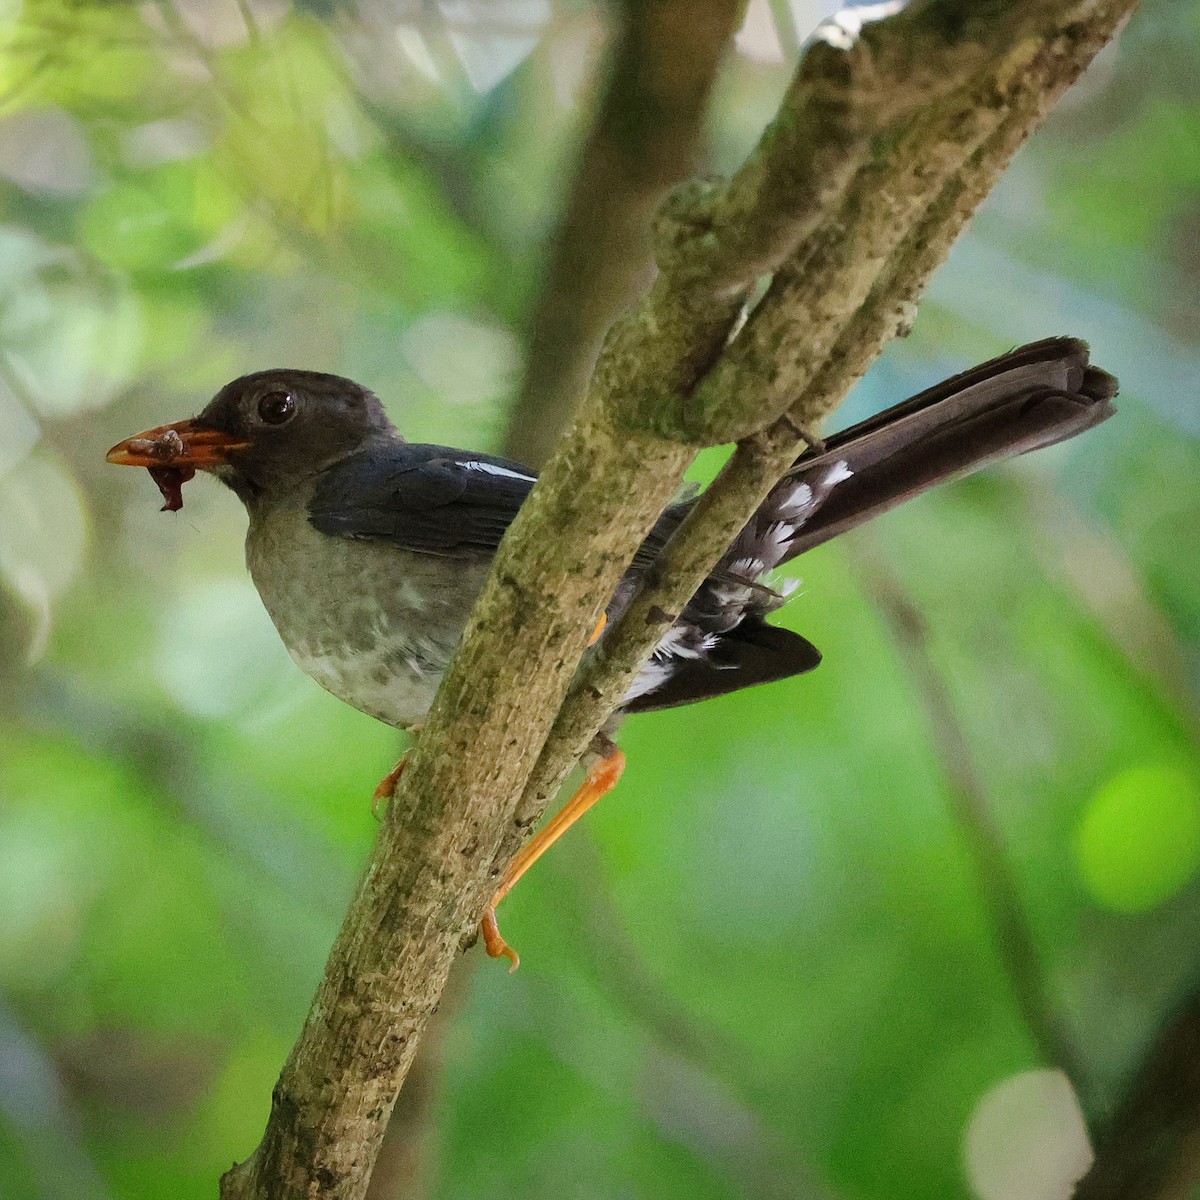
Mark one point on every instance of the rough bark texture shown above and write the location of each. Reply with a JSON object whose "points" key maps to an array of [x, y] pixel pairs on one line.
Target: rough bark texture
{"points": [[406, 1167], [644, 137], [644, 140], [876, 159]]}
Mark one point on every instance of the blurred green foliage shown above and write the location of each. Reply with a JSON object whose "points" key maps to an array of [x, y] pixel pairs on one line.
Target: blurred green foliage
{"points": [[769, 965]]}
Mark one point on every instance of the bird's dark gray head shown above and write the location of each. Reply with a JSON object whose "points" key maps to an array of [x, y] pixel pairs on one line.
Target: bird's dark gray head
{"points": [[289, 425], [264, 434]]}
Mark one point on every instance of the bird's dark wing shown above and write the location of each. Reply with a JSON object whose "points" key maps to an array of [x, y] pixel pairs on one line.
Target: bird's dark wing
{"points": [[427, 498], [438, 500]]}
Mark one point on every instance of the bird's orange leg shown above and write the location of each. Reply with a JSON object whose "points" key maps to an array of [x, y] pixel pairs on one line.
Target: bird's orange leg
{"points": [[387, 785], [387, 788], [601, 780]]}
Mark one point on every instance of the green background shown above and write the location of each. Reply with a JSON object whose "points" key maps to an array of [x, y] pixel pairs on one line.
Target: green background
{"points": [[773, 963]]}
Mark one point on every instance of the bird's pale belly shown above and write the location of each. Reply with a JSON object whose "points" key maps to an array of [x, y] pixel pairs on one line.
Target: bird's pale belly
{"points": [[377, 629], [397, 694]]}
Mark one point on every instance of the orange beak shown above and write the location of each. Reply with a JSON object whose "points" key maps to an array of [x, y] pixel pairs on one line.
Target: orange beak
{"points": [[179, 445]]}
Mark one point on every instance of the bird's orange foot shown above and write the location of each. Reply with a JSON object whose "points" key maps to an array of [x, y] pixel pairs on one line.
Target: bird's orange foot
{"points": [[601, 780], [387, 788], [494, 943], [387, 785]]}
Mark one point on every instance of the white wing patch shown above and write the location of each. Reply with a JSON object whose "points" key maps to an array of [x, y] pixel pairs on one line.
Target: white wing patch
{"points": [[650, 678], [684, 641], [488, 468], [845, 27], [797, 501]]}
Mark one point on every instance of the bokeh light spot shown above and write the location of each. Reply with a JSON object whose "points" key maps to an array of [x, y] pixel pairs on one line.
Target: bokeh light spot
{"points": [[1026, 1139], [218, 655], [1138, 841]]}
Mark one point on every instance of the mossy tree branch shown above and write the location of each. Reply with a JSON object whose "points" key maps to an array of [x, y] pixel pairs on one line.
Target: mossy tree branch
{"points": [[876, 159], [646, 135]]}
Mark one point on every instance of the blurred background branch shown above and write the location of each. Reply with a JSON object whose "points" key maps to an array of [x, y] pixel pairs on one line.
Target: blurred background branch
{"points": [[771, 1166], [971, 807], [646, 136], [1149, 1149]]}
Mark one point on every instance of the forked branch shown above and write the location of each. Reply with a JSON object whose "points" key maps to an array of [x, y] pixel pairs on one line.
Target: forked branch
{"points": [[877, 157]]}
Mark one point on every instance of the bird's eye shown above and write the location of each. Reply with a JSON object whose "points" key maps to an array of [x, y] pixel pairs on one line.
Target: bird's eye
{"points": [[277, 407]]}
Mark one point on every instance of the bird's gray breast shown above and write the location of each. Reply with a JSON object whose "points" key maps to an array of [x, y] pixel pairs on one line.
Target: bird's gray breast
{"points": [[374, 624]]}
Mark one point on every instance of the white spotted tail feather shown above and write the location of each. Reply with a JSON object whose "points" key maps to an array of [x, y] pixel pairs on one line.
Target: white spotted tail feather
{"points": [[724, 625], [1033, 397]]}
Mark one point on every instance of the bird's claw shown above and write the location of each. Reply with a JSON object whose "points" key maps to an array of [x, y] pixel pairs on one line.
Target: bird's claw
{"points": [[493, 940], [387, 788]]}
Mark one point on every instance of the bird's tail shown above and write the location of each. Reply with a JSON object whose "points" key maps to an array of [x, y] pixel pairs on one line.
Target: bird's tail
{"points": [[1031, 397], [1034, 396]]}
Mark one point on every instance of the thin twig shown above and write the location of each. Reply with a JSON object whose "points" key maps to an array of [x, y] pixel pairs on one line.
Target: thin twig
{"points": [[969, 804]]}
